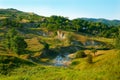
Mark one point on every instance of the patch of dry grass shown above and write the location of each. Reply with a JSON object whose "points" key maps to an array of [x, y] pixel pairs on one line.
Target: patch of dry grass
{"points": [[81, 38], [33, 44], [105, 40]]}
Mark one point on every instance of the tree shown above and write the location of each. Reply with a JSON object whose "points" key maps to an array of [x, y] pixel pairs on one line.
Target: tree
{"points": [[11, 22], [80, 54], [46, 46], [117, 40], [18, 44], [94, 51], [9, 37], [89, 59], [14, 42]]}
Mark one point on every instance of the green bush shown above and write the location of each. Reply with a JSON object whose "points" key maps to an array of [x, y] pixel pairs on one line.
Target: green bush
{"points": [[80, 54], [89, 59], [14, 42], [75, 62], [94, 51]]}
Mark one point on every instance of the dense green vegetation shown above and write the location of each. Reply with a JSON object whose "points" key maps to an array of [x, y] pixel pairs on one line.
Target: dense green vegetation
{"points": [[14, 42], [31, 43], [17, 18]]}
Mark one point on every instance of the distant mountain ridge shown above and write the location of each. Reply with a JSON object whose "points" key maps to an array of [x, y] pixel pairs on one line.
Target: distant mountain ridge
{"points": [[12, 12], [102, 20]]}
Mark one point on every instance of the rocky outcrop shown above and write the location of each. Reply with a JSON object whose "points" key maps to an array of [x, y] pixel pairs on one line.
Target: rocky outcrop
{"points": [[61, 34]]}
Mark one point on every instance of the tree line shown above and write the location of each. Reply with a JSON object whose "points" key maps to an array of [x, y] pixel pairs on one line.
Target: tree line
{"points": [[63, 23]]}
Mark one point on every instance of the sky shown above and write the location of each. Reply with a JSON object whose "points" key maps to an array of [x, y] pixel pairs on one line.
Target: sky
{"points": [[108, 9]]}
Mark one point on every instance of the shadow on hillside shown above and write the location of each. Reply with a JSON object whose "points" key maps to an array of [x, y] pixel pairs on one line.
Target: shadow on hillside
{"points": [[8, 63], [29, 33], [96, 61], [2, 49], [68, 49], [99, 55], [29, 52]]}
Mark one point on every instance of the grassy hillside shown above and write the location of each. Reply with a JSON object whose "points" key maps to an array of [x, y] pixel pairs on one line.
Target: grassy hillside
{"points": [[57, 40], [105, 66]]}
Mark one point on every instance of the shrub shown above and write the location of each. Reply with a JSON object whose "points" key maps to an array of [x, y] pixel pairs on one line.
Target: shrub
{"points": [[80, 54], [94, 51], [75, 62], [89, 59], [3, 69]]}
